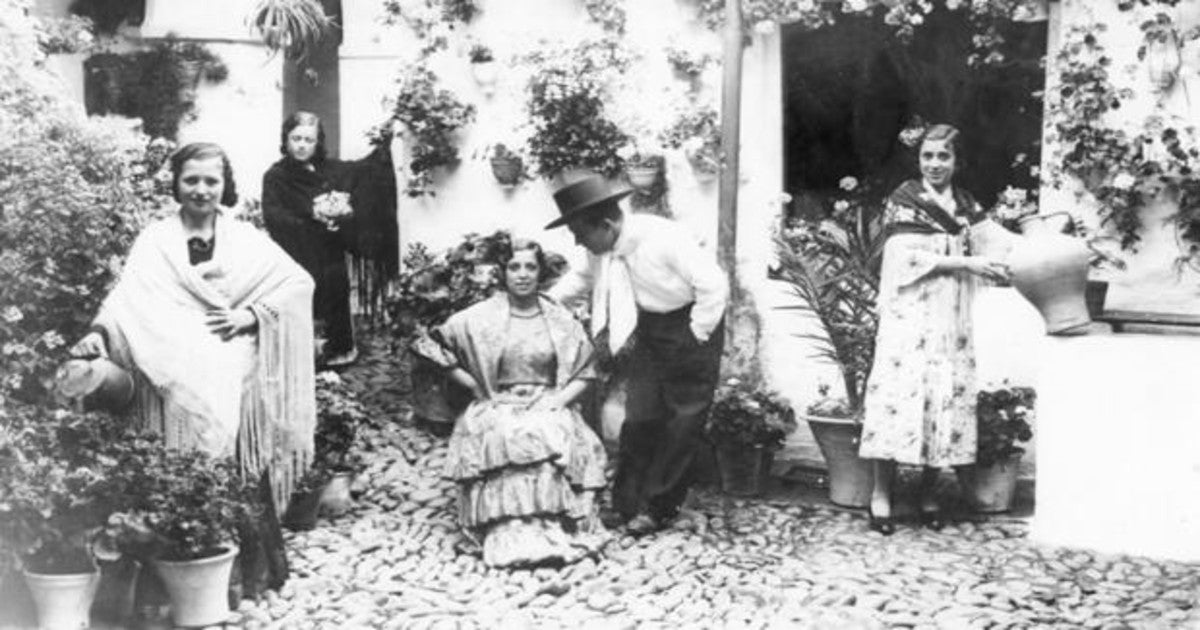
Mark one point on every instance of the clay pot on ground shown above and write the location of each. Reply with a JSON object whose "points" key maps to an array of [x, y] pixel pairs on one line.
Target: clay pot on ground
{"points": [[991, 488], [1050, 270], [63, 601], [335, 497], [302, 510], [850, 476], [744, 470], [199, 589]]}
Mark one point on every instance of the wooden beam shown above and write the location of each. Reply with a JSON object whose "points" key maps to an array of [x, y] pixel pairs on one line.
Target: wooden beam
{"points": [[731, 93]]}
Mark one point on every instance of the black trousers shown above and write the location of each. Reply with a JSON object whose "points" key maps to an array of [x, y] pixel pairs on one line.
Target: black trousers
{"points": [[670, 390]]}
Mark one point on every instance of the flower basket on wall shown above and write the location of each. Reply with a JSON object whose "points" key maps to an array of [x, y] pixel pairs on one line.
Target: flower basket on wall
{"points": [[642, 176], [507, 170]]}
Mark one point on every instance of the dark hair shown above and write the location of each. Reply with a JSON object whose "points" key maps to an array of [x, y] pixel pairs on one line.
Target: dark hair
{"points": [[596, 215], [951, 136], [303, 118], [521, 245], [203, 151]]}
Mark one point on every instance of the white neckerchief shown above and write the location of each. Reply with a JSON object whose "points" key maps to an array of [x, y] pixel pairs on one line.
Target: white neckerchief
{"points": [[613, 301], [945, 199]]}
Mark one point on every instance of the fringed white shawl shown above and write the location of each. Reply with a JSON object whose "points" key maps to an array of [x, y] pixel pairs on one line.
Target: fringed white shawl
{"points": [[252, 395]]}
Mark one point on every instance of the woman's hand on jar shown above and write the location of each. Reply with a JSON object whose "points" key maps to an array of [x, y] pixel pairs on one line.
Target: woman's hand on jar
{"points": [[987, 268], [92, 345], [229, 323]]}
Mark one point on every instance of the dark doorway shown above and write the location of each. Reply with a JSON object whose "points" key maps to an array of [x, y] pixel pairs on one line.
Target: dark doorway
{"points": [[850, 89]]}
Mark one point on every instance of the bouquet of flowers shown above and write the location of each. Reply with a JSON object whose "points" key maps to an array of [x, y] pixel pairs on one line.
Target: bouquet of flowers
{"points": [[332, 207]]}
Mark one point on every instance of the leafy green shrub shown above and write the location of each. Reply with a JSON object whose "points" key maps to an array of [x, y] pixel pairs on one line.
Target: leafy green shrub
{"points": [[73, 194], [433, 116]]}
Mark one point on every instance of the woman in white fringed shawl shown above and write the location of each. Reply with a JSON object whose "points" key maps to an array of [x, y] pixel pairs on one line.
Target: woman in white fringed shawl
{"points": [[214, 321]]}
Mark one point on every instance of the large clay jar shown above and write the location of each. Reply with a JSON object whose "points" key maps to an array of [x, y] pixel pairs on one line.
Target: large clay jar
{"points": [[1049, 269]]}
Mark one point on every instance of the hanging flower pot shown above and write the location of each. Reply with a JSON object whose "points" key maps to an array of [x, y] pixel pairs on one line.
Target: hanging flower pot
{"points": [[486, 73], [1160, 53], [642, 176]]}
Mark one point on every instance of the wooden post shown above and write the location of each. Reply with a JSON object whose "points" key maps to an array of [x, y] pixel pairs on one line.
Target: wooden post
{"points": [[731, 93]]}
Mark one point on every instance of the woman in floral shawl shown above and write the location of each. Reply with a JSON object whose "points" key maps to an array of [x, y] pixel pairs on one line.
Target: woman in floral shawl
{"points": [[527, 466], [212, 318], [920, 404]]}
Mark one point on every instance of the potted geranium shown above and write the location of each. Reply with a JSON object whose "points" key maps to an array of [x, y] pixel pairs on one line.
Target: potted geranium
{"points": [[746, 426], [431, 117], [567, 97], [697, 131], [339, 416], [181, 512], [53, 504], [643, 165], [831, 264], [1002, 419]]}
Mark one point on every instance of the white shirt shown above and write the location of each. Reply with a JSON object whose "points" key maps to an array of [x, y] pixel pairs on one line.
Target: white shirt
{"points": [[668, 270]]}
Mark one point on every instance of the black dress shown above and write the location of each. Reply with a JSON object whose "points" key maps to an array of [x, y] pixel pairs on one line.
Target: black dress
{"points": [[288, 190]]}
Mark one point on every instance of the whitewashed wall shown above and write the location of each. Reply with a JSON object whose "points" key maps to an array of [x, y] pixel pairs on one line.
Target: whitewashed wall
{"points": [[1150, 282]]}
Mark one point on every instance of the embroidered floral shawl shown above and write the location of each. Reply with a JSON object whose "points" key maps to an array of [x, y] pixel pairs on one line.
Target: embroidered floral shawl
{"points": [[911, 209], [474, 339]]}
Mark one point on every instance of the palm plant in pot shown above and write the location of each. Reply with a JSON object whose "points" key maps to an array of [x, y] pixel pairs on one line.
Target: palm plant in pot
{"points": [[180, 511], [1002, 419], [832, 264], [54, 502], [746, 426]]}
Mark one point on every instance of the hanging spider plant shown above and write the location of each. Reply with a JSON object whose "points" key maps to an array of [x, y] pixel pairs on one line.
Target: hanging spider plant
{"points": [[294, 27]]}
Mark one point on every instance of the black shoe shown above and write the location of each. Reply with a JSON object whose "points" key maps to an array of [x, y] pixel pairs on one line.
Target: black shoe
{"points": [[882, 524], [613, 519], [933, 519], [643, 525]]}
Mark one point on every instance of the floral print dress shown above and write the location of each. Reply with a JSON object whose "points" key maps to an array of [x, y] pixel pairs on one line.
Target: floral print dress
{"points": [[920, 403]]}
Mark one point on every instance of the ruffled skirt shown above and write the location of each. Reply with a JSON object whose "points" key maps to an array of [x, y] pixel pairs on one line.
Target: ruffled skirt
{"points": [[527, 482]]}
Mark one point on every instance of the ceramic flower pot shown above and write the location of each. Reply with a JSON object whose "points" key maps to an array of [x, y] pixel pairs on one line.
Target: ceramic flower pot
{"points": [[507, 170], [335, 498], [199, 589], [642, 176], [63, 601], [744, 470], [850, 476], [99, 382], [1049, 269], [991, 488], [486, 73]]}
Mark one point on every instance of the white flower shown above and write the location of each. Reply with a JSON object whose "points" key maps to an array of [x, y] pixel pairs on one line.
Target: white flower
{"points": [[953, 4], [856, 5], [848, 183], [764, 27], [13, 315], [1015, 196], [52, 339], [626, 152], [841, 205], [328, 377], [1124, 181], [916, 18]]}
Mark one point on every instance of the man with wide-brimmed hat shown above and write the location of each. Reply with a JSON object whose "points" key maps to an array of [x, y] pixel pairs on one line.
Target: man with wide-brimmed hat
{"points": [[648, 274]]}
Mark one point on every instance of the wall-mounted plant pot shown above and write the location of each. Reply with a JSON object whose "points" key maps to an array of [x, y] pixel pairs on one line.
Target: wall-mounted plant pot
{"points": [[507, 170], [642, 176], [486, 73]]}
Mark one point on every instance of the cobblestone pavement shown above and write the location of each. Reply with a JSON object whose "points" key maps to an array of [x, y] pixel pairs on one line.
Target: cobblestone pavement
{"points": [[393, 562]]}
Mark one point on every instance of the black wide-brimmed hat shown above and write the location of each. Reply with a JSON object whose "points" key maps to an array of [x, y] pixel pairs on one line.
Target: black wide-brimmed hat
{"points": [[588, 192]]}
